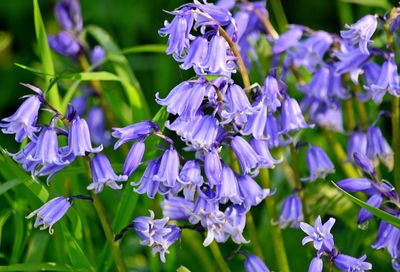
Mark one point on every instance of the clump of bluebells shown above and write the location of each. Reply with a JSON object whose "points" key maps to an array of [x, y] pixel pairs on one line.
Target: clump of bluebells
{"points": [[229, 129]]}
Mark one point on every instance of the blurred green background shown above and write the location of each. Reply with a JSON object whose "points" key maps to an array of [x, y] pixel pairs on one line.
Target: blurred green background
{"points": [[131, 23]]}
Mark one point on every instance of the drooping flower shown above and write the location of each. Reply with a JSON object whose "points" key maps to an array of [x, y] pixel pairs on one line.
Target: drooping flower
{"points": [[325, 114], [97, 54], [156, 234], [191, 173], [237, 105], [291, 212], [179, 32], [47, 150], [213, 167], [351, 60], [79, 104], [79, 138], [50, 213], [292, 117], [204, 132], [288, 39], [320, 234], [147, 184], [349, 263], [362, 161], [251, 192], [177, 208], [388, 81], [357, 143], [364, 215], [262, 149], [217, 59], [68, 14], [97, 126], [168, 171], [134, 158], [133, 132], [361, 32], [103, 174], [272, 94], [254, 264], [64, 43], [256, 123], [353, 185], [24, 157], [22, 122], [195, 55], [236, 218], [249, 160], [378, 148], [318, 163], [316, 265], [229, 188]]}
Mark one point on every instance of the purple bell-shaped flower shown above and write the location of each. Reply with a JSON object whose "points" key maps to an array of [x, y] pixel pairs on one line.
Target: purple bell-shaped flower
{"points": [[291, 212], [318, 163], [292, 117], [79, 138]]}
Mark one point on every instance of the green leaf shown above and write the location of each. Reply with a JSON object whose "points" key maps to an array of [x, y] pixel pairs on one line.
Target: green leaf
{"points": [[130, 83], [76, 255], [9, 184], [371, 3], [147, 48], [45, 54], [377, 212], [33, 70], [11, 170], [182, 269], [40, 267], [37, 247]]}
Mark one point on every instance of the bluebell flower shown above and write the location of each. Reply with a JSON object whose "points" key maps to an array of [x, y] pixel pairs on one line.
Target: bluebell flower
{"points": [[195, 55], [68, 14], [147, 184], [361, 32], [316, 265], [24, 157], [292, 117], [47, 150], [22, 122], [349, 263], [185, 128], [357, 143], [236, 218], [134, 158], [204, 132], [103, 174], [97, 54], [318, 163], [251, 193], [325, 114], [177, 208], [378, 148], [271, 131], [179, 33], [237, 105], [220, 16], [50, 213], [353, 185], [79, 138], [213, 167], [388, 237], [229, 188], [388, 81], [79, 104], [262, 149], [288, 39], [320, 234], [351, 60], [254, 264], [256, 123], [168, 171], [363, 216], [362, 161], [291, 212], [97, 126], [206, 205], [133, 132], [64, 43], [218, 59], [177, 97], [371, 74], [191, 173], [249, 160], [156, 234], [226, 4], [272, 93]]}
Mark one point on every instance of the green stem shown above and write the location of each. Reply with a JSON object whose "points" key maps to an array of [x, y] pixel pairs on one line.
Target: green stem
{"points": [[297, 182], [396, 140], [279, 13], [105, 223], [341, 156], [350, 119], [276, 233], [223, 266]]}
